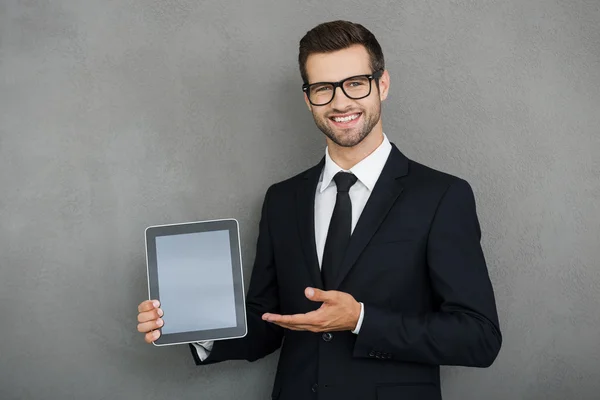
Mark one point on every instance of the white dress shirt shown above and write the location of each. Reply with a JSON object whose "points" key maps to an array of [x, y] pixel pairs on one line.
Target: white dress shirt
{"points": [[367, 171]]}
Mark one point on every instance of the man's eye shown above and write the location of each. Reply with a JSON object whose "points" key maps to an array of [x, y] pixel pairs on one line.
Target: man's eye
{"points": [[355, 83], [322, 88]]}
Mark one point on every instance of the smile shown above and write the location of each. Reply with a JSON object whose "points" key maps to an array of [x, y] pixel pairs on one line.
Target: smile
{"points": [[346, 118]]}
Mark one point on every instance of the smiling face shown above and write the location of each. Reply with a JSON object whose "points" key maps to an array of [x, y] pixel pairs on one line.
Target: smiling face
{"points": [[346, 122]]}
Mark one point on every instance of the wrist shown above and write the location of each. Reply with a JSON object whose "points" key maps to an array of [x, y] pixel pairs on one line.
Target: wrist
{"points": [[356, 309]]}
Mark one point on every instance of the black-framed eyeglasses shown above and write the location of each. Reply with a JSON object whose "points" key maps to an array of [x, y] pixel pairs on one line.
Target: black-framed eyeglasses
{"points": [[355, 87]]}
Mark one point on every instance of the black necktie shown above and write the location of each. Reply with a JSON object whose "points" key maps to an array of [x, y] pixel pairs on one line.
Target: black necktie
{"points": [[340, 228]]}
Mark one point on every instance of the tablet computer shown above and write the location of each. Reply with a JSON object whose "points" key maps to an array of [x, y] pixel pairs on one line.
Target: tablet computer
{"points": [[195, 271]]}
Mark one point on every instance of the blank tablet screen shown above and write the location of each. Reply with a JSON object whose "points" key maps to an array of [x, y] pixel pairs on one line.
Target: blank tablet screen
{"points": [[195, 271], [196, 282]]}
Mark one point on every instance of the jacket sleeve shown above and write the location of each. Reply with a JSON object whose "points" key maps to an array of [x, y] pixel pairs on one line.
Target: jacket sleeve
{"points": [[464, 329], [262, 338]]}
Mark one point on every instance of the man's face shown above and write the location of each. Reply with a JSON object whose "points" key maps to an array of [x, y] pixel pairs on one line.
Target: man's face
{"points": [[345, 121]]}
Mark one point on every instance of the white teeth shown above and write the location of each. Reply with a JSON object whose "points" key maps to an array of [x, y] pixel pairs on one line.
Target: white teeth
{"points": [[346, 119]]}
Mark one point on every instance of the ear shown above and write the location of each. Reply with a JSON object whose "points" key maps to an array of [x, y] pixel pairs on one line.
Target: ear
{"points": [[307, 102], [384, 85]]}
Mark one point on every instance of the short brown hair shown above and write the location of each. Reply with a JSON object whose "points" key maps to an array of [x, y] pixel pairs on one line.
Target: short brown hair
{"points": [[338, 35]]}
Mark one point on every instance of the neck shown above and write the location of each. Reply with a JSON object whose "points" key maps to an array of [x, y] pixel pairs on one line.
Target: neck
{"points": [[347, 157]]}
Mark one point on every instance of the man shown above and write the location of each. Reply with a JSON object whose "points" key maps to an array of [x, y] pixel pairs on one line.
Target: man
{"points": [[368, 266]]}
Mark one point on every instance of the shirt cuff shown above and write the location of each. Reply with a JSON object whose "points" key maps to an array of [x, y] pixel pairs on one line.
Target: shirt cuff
{"points": [[360, 319], [203, 349]]}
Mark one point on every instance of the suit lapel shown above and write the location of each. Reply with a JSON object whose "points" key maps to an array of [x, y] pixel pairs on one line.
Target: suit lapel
{"points": [[305, 206], [386, 191]]}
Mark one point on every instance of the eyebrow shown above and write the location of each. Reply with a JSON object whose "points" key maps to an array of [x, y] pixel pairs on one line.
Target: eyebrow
{"points": [[349, 76]]}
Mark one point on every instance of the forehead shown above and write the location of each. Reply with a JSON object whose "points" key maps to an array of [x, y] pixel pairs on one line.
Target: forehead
{"points": [[338, 65]]}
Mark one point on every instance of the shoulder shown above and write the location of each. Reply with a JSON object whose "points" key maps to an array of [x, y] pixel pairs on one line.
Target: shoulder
{"points": [[432, 176], [439, 184], [289, 186]]}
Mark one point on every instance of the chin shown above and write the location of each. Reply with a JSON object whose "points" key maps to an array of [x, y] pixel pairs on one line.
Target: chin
{"points": [[348, 140]]}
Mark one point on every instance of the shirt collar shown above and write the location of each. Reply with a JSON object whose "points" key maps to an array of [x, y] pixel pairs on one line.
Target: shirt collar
{"points": [[367, 170]]}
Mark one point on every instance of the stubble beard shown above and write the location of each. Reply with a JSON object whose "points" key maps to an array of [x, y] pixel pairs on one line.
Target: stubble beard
{"points": [[352, 136]]}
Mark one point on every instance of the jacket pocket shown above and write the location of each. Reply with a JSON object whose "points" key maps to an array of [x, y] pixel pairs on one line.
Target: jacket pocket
{"points": [[391, 239], [417, 391]]}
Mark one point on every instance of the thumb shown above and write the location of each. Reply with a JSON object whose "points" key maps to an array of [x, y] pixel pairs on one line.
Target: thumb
{"points": [[318, 295]]}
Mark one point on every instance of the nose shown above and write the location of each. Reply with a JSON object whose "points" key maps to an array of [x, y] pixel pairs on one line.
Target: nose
{"points": [[340, 100]]}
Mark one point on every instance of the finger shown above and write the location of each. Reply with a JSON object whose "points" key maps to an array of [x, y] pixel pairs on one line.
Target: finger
{"points": [[152, 336], [148, 305], [286, 319], [150, 315], [150, 325], [320, 295], [296, 319]]}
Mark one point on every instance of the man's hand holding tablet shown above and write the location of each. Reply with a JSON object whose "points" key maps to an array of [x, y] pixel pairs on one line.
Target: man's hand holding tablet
{"points": [[195, 281], [150, 320]]}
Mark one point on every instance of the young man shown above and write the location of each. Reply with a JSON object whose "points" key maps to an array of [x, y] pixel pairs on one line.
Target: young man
{"points": [[368, 264]]}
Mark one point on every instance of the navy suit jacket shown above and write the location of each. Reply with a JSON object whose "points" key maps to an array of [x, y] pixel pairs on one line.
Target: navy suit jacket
{"points": [[416, 263]]}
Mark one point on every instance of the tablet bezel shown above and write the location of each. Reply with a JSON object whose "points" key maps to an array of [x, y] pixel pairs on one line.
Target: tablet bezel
{"points": [[232, 226]]}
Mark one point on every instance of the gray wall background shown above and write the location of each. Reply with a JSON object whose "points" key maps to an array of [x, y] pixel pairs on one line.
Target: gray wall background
{"points": [[116, 115]]}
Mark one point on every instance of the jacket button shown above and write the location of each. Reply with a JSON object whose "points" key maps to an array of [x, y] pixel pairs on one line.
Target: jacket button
{"points": [[314, 388], [327, 336]]}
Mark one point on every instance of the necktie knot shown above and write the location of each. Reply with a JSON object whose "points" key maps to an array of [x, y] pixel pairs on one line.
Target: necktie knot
{"points": [[344, 181]]}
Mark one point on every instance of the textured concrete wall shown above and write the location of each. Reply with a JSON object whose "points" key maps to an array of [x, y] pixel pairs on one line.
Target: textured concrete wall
{"points": [[116, 115]]}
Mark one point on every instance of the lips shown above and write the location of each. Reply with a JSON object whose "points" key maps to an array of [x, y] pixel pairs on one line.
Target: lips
{"points": [[345, 120], [345, 117]]}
